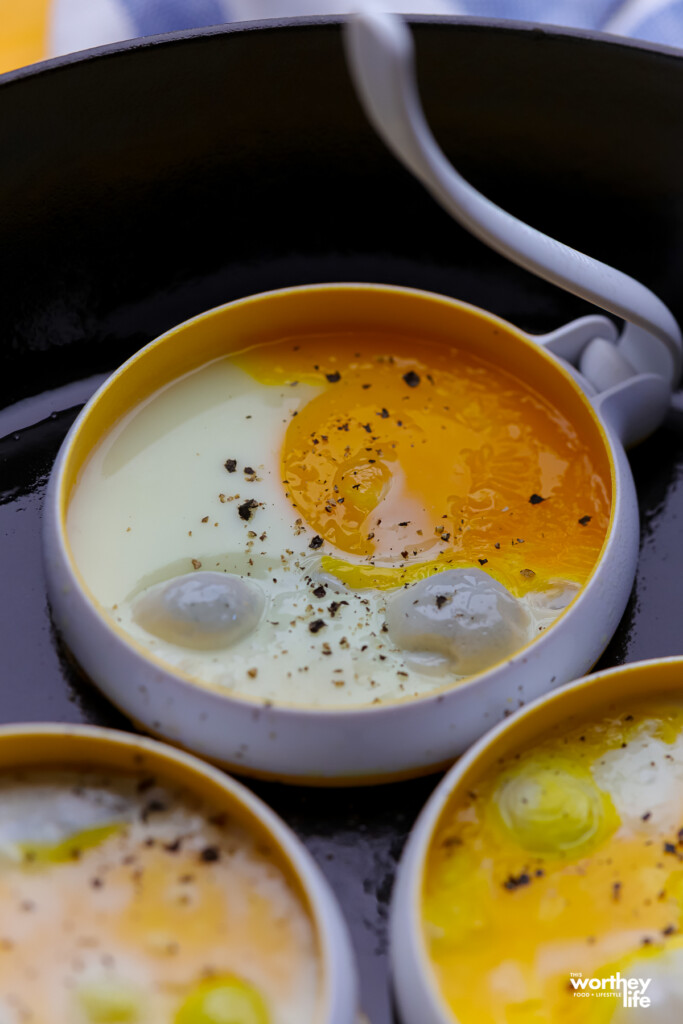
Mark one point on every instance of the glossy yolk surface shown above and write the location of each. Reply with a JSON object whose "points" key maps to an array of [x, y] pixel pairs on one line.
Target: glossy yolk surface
{"points": [[509, 912], [417, 457], [221, 1000]]}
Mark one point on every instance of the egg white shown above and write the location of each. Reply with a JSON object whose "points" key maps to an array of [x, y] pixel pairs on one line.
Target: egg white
{"points": [[665, 990], [644, 780]]}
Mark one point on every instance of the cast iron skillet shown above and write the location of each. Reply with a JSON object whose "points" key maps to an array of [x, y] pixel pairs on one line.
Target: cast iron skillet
{"points": [[143, 183]]}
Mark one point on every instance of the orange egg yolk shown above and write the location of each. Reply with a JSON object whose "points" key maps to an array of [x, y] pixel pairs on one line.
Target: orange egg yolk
{"points": [[420, 456]]}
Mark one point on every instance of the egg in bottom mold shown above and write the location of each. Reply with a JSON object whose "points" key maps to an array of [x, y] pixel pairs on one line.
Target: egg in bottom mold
{"points": [[147, 886], [571, 843]]}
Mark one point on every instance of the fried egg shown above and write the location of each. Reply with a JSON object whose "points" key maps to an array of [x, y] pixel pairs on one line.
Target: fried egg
{"points": [[338, 519], [126, 900], [565, 862]]}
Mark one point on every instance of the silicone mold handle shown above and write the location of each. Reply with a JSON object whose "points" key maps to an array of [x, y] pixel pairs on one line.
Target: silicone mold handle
{"points": [[381, 59]]}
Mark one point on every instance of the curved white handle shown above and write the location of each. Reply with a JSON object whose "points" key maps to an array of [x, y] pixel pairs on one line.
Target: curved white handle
{"points": [[380, 54]]}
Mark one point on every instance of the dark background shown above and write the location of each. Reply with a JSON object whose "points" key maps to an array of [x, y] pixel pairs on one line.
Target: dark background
{"points": [[162, 178]]}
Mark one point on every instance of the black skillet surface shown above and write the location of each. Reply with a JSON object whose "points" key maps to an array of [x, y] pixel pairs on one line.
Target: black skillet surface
{"points": [[157, 179]]}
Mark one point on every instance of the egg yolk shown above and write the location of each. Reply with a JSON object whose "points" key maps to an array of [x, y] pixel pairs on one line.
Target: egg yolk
{"points": [[69, 848], [534, 874], [109, 1002], [552, 807], [380, 577], [417, 456], [223, 1001]]}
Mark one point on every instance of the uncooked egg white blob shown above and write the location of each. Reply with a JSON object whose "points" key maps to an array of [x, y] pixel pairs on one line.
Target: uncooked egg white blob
{"points": [[339, 519]]}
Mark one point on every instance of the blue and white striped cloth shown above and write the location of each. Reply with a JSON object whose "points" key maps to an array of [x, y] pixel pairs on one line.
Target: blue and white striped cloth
{"points": [[78, 24]]}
